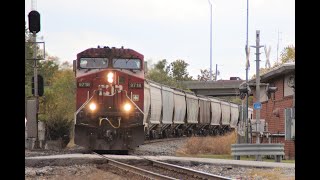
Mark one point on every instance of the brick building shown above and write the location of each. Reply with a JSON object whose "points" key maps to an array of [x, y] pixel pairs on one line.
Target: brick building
{"points": [[277, 108]]}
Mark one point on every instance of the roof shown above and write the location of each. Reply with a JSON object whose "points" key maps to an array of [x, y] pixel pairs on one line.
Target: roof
{"points": [[277, 71]]}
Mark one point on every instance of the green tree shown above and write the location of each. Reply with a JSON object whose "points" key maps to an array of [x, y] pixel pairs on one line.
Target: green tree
{"points": [[288, 54], [47, 68], [178, 70], [162, 66], [66, 65], [170, 75], [28, 63], [160, 73], [60, 97], [58, 105]]}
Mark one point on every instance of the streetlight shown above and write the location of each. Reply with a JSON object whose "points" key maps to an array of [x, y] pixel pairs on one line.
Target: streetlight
{"points": [[210, 40]]}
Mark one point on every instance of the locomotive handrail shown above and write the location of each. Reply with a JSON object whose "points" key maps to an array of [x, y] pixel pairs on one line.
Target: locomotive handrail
{"points": [[133, 102], [80, 108]]}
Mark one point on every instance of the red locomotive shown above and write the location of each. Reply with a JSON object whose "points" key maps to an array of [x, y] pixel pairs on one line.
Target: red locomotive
{"points": [[110, 96]]}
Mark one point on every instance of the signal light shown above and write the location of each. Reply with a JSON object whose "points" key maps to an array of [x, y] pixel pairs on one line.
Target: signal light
{"points": [[34, 21], [270, 90], [244, 90], [40, 85]]}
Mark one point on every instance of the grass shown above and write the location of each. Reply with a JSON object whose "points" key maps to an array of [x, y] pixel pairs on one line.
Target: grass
{"points": [[217, 147], [209, 145], [276, 174], [227, 156]]}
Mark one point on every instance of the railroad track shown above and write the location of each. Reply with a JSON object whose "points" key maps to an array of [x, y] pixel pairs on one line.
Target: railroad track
{"points": [[159, 170], [164, 140]]}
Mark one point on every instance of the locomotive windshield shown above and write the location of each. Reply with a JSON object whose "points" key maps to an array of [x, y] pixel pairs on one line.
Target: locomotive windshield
{"points": [[126, 63], [95, 63]]}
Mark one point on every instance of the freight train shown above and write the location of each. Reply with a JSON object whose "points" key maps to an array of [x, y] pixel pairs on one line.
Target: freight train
{"points": [[118, 109]]}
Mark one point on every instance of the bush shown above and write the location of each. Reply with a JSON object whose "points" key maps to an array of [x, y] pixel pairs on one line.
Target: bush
{"points": [[58, 127], [217, 145]]}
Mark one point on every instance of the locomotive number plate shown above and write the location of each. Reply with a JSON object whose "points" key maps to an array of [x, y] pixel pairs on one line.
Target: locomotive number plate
{"points": [[84, 84], [135, 85]]}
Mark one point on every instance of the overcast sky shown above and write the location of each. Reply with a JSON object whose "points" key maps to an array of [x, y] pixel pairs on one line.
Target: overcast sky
{"points": [[169, 29]]}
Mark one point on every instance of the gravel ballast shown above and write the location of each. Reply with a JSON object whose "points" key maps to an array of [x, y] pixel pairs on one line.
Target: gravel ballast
{"points": [[163, 151]]}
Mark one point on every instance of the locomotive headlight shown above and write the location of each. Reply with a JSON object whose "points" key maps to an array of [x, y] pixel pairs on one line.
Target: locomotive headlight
{"points": [[127, 107], [92, 106], [110, 77]]}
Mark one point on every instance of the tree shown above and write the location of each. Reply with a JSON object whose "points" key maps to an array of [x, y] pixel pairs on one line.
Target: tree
{"points": [[65, 65], [47, 68], [178, 70], [171, 74], [287, 55], [205, 75], [162, 66], [28, 63], [58, 105], [160, 73]]}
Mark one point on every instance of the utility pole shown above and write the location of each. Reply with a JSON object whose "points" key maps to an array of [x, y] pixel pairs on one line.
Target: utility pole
{"points": [[278, 46], [258, 157], [247, 68], [210, 40], [216, 71]]}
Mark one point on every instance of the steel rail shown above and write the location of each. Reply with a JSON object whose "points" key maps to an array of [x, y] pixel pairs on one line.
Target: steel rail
{"points": [[135, 170], [185, 170], [163, 140]]}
